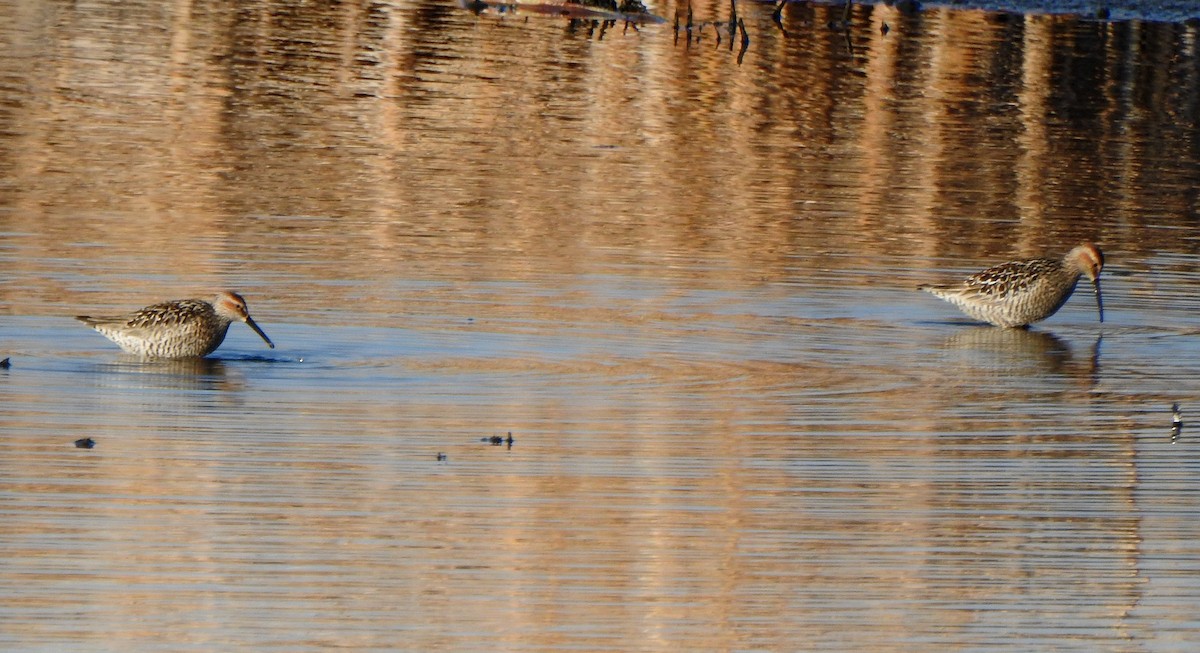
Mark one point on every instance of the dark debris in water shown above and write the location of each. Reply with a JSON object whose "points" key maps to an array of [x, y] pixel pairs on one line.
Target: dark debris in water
{"points": [[626, 6], [85, 443], [497, 440], [5, 364]]}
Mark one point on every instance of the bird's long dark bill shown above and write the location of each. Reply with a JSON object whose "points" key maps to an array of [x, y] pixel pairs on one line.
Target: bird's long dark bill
{"points": [[1099, 300], [250, 321]]}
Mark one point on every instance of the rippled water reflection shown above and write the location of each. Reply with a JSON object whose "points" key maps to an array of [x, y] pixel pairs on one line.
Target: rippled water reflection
{"points": [[685, 286]]}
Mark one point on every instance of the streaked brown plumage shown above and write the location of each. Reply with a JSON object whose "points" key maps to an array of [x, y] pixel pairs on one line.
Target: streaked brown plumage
{"points": [[184, 328], [1019, 293]]}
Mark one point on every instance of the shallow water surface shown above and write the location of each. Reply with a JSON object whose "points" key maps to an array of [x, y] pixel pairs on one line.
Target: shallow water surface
{"points": [[684, 286]]}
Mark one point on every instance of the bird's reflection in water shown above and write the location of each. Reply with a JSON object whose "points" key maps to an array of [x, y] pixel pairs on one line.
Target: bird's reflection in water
{"points": [[1023, 350], [182, 374], [1093, 370]]}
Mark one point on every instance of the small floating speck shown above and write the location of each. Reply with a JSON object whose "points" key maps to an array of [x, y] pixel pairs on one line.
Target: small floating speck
{"points": [[1176, 423], [441, 456], [5, 364], [85, 443]]}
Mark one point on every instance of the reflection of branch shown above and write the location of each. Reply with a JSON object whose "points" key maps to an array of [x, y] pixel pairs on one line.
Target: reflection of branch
{"points": [[745, 41], [733, 19], [846, 20], [777, 17], [843, 26], [731, 27], [686, 28]]}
